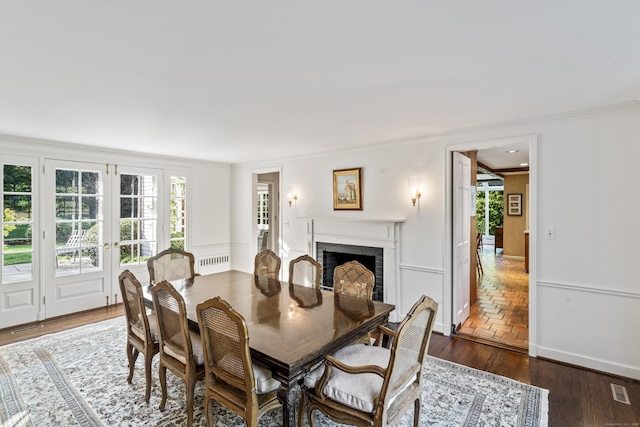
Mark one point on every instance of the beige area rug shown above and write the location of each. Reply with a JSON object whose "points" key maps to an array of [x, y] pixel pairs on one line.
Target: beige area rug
{"points": [[79, 378]]}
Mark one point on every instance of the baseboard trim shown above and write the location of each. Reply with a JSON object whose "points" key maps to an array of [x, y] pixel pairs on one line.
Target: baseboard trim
{"points": [[590, 363]]}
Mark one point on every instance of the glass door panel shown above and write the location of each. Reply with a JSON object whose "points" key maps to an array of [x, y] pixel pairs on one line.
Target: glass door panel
{"points": [[78, 227]]}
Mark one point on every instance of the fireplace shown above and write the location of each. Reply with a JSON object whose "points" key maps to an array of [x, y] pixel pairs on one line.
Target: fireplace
{"points": [[330, 255]]}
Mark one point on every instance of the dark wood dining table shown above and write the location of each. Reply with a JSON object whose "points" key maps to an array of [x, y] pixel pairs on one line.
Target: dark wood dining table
{"points": [[291, 328]]}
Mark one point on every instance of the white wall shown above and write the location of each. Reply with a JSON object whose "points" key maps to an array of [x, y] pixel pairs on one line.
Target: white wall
{"points": [[588, 302]]}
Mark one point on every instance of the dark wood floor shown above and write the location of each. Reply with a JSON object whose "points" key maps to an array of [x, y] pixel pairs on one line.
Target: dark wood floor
{"points": [[577, 397]]}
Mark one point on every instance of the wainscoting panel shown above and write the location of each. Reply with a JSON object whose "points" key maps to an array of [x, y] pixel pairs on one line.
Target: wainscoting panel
{"points": [[417, 281], [574, 314]]}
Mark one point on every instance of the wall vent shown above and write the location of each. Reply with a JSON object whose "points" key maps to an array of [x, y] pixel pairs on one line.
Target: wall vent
{"points": [[27, 329], [213, 264], [620, 394]]}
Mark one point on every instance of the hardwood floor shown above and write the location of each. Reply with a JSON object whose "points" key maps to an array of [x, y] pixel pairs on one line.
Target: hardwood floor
{"points": [[577, 397]]}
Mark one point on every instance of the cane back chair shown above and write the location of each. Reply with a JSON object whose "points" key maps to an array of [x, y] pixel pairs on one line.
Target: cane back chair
{"points": [[142, 332], [367, 385], [171, 264], [355, 279], [180, 348], [305, 271], [245, 388]]}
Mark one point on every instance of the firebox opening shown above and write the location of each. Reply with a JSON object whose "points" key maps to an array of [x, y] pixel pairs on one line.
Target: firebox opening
{"points": [[331, 255]]}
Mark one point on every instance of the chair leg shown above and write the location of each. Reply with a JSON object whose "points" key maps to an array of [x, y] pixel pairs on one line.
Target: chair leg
{"points": [[162, 375], [191, 386], [148, 359], [208, 410], [416, 413], [132, 355]]}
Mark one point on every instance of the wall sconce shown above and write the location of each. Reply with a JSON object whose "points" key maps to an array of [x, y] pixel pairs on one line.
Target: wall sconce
{"points": [[292, 198], [414, 189]]}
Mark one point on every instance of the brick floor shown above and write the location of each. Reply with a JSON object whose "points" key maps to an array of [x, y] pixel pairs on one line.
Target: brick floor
{"points": [[501, 313]]}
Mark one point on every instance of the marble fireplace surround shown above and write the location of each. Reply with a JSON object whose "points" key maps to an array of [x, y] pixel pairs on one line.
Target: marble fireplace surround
{"points": [[376, 233]]}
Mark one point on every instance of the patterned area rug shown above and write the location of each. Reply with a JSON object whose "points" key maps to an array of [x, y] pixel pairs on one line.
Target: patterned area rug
{"points": [[79, 378]]}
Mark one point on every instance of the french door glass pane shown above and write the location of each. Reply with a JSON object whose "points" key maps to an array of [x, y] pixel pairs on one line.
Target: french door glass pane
{"points": [[17, 223], [79, 219], [138, 218]]}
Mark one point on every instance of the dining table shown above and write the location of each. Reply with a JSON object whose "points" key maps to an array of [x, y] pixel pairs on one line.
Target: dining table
{"points": [[291, 327]]}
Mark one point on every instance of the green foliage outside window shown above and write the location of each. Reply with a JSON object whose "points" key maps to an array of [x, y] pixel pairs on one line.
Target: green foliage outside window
{"points": [[496, 211]]}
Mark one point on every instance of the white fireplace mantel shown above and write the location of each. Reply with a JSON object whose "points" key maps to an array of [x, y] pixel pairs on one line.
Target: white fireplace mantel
{"points": [[377, 233]]}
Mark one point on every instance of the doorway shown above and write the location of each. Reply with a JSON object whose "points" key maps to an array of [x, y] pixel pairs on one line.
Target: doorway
{"points": [[266, 212], [496, 264], [98, 223]]}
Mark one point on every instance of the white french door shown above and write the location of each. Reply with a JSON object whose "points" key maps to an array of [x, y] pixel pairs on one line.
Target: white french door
{"points": [[99, 221], [461, 237]]}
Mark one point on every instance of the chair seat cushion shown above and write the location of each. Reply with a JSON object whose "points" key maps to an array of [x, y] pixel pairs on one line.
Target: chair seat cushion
{"points": [[264, 379], [153, 328], [196, 345], [358, 391]]}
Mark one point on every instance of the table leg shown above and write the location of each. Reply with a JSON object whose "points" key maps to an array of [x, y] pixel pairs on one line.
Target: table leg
{"points": [[289, 396]]}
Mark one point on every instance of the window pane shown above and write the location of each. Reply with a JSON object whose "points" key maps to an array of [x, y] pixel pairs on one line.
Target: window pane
{"points": [[90, 182], [177, 212], [90, 207], [67, 207], [149, 207], [17, 179], [128, 230], [66, 181], [148, 230], [17, 208], [128, 184]]}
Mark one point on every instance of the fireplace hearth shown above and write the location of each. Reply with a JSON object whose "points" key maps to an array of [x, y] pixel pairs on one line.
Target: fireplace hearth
{"points": [[330, 255]]}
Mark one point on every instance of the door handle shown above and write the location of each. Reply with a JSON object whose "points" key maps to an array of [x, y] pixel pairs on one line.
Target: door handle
{"points": [[116, 244], [106, 246]]}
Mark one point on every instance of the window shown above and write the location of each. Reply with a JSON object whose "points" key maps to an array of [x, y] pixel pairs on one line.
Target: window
{"points": [[17, 223], [489, 209], [178, 212], [263, 206]]}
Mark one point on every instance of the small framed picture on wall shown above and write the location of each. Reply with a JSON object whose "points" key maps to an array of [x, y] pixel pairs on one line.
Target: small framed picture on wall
{"points": [[514, 204]]}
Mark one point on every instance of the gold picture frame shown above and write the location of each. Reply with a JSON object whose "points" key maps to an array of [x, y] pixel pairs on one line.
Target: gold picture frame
{"points": [[347, 189]]}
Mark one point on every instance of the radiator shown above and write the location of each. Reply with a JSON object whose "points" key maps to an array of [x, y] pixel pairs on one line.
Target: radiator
{"points": [[213, 264]]}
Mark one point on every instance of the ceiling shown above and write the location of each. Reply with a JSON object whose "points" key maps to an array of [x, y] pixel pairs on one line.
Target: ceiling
{"points": [[243, 81]]}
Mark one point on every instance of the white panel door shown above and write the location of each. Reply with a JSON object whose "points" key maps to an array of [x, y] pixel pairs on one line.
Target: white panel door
{"points": [[461, 239], [20, 299], [78, 226]]}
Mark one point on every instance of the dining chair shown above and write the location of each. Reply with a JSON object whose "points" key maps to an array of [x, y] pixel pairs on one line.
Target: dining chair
{"points": [[267, 264], [479, 245], [171, 264], [305, 271], [180, 349], [232, 379], [370, 385], [142, 331], [355, 279]]}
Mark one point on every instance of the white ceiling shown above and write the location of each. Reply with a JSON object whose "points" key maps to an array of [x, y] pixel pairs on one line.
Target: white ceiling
{"points": [[246, 80]]}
